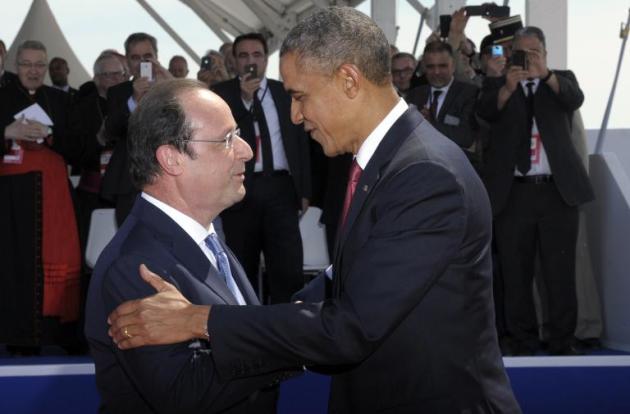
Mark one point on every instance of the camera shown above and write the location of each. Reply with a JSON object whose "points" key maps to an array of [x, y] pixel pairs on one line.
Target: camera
{"points": [[251, 70], [445, 25], [146, 70], [488, 10], [519, 58], [206, 63]]}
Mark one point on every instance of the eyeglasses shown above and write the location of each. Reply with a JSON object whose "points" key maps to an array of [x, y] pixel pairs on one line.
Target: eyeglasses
{"points": [[30, 65], [228, 140], [116, 74]]}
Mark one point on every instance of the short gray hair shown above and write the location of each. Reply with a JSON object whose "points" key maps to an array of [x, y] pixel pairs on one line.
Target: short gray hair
{"points": [[331, 37], [530, 31], [103, 57], [30, 45]]}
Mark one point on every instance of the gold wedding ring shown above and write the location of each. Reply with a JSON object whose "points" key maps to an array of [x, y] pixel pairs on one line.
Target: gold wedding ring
{"points": [[126, 332]]}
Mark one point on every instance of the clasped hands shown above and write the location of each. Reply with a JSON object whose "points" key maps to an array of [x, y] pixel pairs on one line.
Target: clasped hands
{"points": [[26, 130]]}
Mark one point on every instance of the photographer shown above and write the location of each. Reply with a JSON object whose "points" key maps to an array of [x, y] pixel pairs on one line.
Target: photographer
{"points": [[122, 99], [536, 181], [212, 69]]}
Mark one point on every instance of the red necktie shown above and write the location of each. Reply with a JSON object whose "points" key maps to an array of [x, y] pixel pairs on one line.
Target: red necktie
{"points": [[353, 180]]}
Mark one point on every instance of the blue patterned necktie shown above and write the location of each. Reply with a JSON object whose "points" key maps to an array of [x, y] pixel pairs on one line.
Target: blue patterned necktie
{"points": [[212, 241]]}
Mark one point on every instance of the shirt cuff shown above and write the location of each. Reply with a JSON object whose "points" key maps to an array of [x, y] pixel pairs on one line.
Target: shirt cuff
{"points": [[329, 272]]}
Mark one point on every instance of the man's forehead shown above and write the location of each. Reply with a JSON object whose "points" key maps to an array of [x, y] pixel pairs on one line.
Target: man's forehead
{"points": [[403, 61], [437, 56], [249, 44], [33, 53], [141, 46]]}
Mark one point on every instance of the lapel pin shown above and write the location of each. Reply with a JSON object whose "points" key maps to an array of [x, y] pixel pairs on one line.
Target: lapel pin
{"points": [[365, 188]]}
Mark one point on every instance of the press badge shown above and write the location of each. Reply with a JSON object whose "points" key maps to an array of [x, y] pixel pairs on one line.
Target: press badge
{"points": [[451, 120]]}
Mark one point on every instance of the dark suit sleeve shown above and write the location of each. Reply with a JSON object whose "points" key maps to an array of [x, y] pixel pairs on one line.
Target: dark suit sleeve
{"points": [[178, 378], [117, 114], [314, 291], [570, 96], [417, 230], [487, 107]]}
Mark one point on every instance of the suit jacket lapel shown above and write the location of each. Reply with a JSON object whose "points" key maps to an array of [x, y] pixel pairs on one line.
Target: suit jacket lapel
{"points": [[372, 174], [183, 247], [451, 95]]}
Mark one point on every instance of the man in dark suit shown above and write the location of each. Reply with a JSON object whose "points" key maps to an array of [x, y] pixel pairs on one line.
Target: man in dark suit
{"points": [[277, 179], [122, 99], [58, 70], [405, 320], [447, 103], [6, 77], [536, 182], [186, 155]]}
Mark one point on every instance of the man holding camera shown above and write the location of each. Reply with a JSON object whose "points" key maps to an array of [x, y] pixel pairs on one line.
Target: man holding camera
{"points": [[277, 178], [536, 181], [122, 99]]}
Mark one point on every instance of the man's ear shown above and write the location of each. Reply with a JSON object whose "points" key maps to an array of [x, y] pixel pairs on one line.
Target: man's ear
{"points": [[169, 159], [351, 79]]}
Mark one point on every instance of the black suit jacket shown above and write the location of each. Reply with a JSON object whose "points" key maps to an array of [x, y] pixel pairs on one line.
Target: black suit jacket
{"points": [[295, 140], [179, 378], [7, 78], [117, 180], [553, 113], [409, 326], [57, 104], [456, 116]]}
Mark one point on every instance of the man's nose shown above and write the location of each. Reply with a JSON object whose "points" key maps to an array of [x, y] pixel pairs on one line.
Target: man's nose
{"points": [[296, 114], [242, 149]]}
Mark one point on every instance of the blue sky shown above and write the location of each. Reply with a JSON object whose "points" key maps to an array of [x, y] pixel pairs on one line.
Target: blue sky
{"points": [[594, 42]]}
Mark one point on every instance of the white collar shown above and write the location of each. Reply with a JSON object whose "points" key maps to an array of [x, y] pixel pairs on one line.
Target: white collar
{"points": [[444, 88], [368, 147], [194, 229]]}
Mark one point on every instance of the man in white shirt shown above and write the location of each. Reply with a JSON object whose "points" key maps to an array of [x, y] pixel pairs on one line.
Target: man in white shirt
{"points": [[277, 178], [187, 157], [536, 181]]}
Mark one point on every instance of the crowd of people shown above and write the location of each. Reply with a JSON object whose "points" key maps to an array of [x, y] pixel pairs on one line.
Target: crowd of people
{"points": [[514, 118]]}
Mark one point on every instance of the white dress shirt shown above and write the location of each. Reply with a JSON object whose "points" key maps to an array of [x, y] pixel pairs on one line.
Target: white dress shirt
{"points": [[539, 161], [195, 230], [440, 101], [273, 125]]}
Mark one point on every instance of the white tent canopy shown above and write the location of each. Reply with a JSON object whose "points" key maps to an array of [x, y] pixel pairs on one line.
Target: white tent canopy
{"points": [[40, 24], [227, 19]]}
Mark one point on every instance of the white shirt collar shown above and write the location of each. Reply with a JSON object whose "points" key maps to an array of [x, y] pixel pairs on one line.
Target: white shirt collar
{"points": [[62, 88], [444, 88], [370, 144], [194, 229], [524, 83]]}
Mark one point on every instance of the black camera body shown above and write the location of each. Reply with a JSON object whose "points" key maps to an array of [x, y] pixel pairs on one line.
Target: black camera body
{"points": [[488, 10], [519, 58], [206, 63]]}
